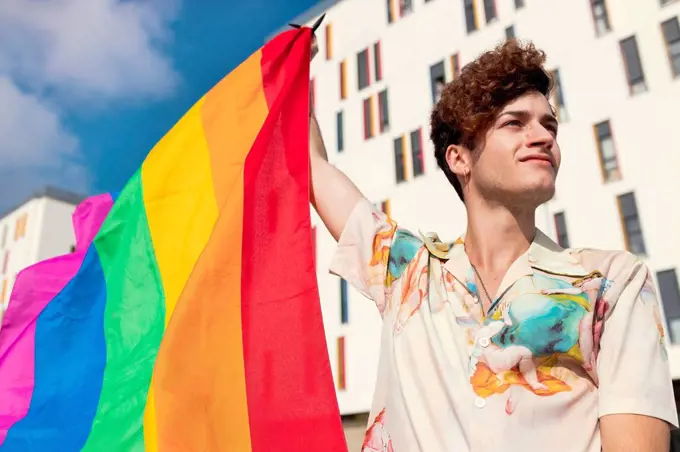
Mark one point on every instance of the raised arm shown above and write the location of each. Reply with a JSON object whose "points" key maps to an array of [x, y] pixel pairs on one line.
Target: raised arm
{"points": [[334, 195]]}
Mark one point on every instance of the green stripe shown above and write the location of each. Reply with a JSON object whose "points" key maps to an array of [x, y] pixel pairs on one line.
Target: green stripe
{"points": [[134, 322]]}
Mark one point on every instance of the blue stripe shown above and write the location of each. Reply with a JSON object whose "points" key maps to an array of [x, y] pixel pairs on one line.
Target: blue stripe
{"points": [[70, 358]]}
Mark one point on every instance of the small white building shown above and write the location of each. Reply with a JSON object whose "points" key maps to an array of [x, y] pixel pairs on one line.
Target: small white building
{"points": [[35, 230], [374, 83]]}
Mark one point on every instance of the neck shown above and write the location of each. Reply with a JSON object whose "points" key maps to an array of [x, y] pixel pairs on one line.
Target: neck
{"points": [[496, 235]]}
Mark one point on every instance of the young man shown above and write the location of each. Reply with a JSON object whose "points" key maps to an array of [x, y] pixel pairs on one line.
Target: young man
{"points": [[502, 340]]}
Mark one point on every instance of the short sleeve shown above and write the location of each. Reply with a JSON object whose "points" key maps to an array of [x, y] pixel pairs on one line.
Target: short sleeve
{"points": [[373, 252], [632, 363]]}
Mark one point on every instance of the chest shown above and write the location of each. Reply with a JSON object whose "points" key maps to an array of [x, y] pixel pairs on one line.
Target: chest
{"points": [[538, 335]]}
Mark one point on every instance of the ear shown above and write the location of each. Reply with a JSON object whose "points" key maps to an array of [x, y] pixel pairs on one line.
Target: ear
{"points": [[458, 159]]}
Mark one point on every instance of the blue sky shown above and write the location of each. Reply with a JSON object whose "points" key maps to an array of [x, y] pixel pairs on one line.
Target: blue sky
{"points": [[89, 86]]}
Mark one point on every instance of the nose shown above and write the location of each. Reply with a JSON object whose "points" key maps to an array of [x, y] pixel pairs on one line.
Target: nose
{"points": [[537, 135]]}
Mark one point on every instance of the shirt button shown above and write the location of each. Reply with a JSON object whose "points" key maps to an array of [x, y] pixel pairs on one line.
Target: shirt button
{"points": [[484, 342], [480, 402]]}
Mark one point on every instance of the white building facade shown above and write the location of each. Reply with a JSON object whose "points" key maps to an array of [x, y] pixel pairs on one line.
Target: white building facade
{"points": [[40, 228], [618, 71]]}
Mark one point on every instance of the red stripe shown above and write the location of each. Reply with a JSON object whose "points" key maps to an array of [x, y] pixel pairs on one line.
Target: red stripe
{"points": [[292, 404]]}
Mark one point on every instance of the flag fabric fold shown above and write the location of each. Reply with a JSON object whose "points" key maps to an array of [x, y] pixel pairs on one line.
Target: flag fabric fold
{"points": [[188, 317]]}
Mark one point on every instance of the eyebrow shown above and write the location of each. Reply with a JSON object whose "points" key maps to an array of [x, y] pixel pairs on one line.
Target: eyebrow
{"points": [[546, 118]]}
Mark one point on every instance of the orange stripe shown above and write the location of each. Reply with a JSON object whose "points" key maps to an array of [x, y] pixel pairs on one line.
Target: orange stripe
{"points": [[210, 389]]}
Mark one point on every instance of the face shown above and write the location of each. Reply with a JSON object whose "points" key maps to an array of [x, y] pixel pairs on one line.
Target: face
{"points": [[515, 162]]}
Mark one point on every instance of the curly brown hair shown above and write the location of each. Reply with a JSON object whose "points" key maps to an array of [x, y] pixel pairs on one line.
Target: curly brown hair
{"points": [[472, 100]]}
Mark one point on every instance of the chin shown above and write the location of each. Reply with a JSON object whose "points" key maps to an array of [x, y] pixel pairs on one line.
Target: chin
{"points": [[540, 194], [534, 194]]}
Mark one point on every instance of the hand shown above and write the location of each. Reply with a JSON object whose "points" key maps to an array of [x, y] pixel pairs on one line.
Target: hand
{"points": [[315, 47]]}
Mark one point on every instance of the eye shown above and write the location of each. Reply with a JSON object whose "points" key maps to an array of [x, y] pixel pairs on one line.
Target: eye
{"points": [[513, 123]]}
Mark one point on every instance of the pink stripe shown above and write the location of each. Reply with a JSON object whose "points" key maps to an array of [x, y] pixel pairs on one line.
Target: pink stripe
{"points": [[36, 286]]}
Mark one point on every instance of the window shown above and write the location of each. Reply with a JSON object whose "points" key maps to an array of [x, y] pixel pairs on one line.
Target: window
{"points": [[4, 236], [405, 7], [342, 382], [344, 303], [329, 41], [561, 230], [383, 111], [631, 60], [368, 119], [386, 207], [20, 226], [632, 229], [510, 32], [671, 34], [399, 159], [470, 15], [519, 4], [558, 97], [390, 11], [377, 60], [455, 65], [600, 17], [609, 162], [343, 80], [363, 69], [5, 261], [3, 293], [670, 298], [340, 130], [417, 152], [312, 94], [437, 80], [489, 10]]}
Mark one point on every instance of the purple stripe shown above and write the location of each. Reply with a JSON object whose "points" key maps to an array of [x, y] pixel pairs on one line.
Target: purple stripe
{"points": [[34, 288]]}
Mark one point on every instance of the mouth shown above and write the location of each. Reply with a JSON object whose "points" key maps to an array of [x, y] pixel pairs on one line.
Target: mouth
{"points": [[540, 159]]}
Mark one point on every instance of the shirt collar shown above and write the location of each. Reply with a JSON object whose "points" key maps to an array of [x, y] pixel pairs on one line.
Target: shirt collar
{"points": [[543, 255]]}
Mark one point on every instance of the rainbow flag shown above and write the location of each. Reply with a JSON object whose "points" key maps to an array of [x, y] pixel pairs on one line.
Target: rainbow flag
{"points": [[188, 319]]}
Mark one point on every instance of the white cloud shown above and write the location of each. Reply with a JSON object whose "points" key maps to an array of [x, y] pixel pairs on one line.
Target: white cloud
{"points": [[32, 133], [88, 48], [59, 55], [35, 149]]}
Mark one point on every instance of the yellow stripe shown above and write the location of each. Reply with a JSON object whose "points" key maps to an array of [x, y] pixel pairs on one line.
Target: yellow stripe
{"points": [[177, 177]]}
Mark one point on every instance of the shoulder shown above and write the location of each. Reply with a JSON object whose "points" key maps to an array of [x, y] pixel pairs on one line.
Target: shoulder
{"points": [[405, 247], [619, 268], [609, 262]]}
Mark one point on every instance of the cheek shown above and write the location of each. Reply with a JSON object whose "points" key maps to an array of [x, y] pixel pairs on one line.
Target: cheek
{"points": [[492, 167]]}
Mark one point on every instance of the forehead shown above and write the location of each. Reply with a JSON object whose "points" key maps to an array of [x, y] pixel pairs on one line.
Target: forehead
{"points": [[532, 102]]}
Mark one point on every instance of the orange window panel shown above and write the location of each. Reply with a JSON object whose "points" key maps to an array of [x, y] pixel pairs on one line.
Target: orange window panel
{"points": [[343, 79], [329, 41], [386, 207], [342, 377]]}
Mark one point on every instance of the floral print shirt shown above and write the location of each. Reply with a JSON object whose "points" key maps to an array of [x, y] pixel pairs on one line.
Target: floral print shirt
{"points": [[574, 335]]}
